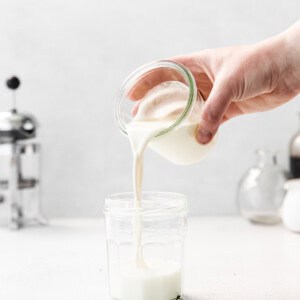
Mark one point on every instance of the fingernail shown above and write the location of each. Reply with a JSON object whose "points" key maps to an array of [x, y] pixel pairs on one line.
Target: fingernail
{"points": [[203, 136]]}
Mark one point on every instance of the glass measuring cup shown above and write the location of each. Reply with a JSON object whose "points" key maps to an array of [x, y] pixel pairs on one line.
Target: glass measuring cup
{"points": [[177, 142]]}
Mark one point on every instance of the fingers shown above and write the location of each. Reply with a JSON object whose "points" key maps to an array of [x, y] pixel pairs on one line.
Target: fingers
{"points": [[214, 111], [159, 75], [151, 79], [234, 109]]}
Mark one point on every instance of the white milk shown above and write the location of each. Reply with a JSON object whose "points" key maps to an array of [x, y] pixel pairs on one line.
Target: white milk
{"points": [[140, 134], [164, 104], [161, 282], [180, 146], [157, 111]]}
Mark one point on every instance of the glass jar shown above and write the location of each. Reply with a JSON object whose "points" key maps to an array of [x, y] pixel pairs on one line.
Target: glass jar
{"points": [[176, 143], [261, 190], [161, 230]]}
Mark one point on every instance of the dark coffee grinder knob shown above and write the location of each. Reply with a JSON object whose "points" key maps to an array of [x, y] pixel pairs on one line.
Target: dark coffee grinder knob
{"points": [[13, 83]]}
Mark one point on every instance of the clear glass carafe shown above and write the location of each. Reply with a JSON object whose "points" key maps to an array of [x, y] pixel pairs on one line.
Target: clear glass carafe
{"points": [[161, 229], [261, 190]]}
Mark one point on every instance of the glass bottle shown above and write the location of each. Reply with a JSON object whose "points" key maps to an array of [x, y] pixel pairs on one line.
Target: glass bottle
{"points": [[176, 143], [261, 190], [295, 153]]}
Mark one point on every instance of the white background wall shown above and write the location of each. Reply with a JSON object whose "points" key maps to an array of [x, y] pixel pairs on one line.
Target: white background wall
{"points": [[73, 55]]}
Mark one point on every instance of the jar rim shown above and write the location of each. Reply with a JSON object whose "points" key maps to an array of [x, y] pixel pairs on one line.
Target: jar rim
{"points": [[134, 76], [154, 204]]}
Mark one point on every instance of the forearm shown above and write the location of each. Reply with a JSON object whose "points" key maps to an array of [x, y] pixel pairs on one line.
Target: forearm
{"points": [[278, 59], [291, 39]]}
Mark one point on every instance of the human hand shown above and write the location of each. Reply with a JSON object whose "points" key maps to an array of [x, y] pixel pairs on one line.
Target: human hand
{"points": [[245, 79], [239, 80]]}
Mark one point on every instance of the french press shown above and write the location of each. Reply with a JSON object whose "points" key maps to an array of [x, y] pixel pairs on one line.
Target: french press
{"points": [[20, 202]]}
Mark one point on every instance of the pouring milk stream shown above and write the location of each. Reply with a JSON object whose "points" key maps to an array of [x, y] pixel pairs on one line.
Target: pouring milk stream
{"points": [[156, 112]]}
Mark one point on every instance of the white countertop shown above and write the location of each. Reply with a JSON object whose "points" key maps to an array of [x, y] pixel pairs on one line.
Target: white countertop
{"points": [[226, 258]]}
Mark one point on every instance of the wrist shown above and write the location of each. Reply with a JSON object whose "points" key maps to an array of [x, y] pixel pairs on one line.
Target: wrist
{"points": [[291, 41]]}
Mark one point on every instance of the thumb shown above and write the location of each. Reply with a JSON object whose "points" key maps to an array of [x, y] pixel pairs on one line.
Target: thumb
{"points": [[213, 111]]}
